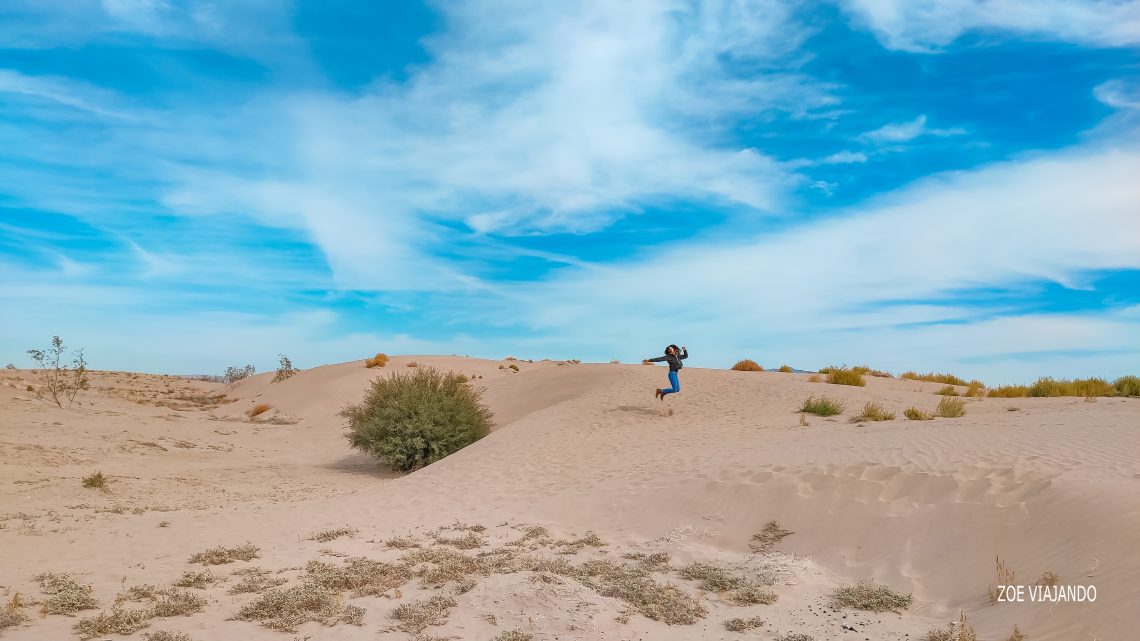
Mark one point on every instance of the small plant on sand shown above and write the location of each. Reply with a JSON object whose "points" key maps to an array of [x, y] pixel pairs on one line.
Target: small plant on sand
{"points": [[1048, 578], [743, 625], [285, 370], [1127, 385], [1008, 391], [949, 390], [379, 360], [822, 406], [787, 369], [753, 595], [874, 411], [766, 539], [255, 580], [713, 578], [223, 555], [1017, 634], [747, 365], [324, 536], [66, 596], [960, 631], [846, 376], [915, 414], [868, 595], [513, 367], [13, 614], [60, 383], [415, 617], [192, 579], [286, 609], [95, 481], [117, 621], [411, 420], [166, 635], [795, 636], [975, 389], [815, 378], [1005, 576], [402, 543], [257, 410], [945, 379], [514, 635], [235, 374], [950, 407]]}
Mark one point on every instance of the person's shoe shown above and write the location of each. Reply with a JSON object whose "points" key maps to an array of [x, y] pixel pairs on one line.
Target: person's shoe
{"points": [[660, 395], [657, 394]]}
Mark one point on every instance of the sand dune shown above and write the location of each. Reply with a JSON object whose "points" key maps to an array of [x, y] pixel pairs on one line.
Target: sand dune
{"points": [[922, 506]]}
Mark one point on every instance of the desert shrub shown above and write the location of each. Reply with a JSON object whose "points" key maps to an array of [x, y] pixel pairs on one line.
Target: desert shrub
{"points": [[950, 407], [255, 580], [868, 595], [285, 370], [815, 378], [753, 595], [65, 594], [786, 368], [1127, 385], [946, 379], [1009, 391], [743, 625], [166, 635], [417, 616], [514, 367], [1017, 634], [765, 540], [949, 390], [191, 579], [1005, 576], [822, 406], [257, 410], [410, 420], [118, 621], [795, 636], [325, 536], [874, 411], [379, 360], [747, 365], [514, 635], [60, 382], [235, 374], [1045, 387], [844, 376], [95, 481], [975, 389], [223, 555], [12, 614], [286, 609], [915, 414]]}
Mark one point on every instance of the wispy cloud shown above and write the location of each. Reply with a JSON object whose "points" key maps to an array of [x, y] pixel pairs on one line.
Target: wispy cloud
{"points": [[906, 131]]}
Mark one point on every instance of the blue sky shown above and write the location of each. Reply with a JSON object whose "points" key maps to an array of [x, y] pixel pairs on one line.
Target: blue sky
{"points": [[920, 184]]}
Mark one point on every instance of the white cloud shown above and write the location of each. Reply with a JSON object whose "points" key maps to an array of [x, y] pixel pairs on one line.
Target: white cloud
{"points": [[62, 91], [926, 25], [845, 157], [907, 131]]}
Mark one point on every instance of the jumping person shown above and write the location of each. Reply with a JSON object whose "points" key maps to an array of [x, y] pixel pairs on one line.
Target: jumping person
{"points": [[673, 355]]}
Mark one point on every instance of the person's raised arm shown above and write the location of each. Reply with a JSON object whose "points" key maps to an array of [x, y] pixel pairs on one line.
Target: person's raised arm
{"points": [[684, 353], [654, 360]]}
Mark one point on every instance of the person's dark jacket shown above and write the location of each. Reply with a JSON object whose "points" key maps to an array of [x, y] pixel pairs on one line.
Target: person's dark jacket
{"points": [[674, 360]]}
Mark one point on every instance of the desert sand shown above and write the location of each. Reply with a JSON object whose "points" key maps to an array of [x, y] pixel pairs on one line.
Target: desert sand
{"points": [[586, 452]]}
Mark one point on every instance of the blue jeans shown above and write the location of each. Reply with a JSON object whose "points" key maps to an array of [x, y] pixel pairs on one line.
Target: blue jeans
{"points": [[676, 384]]}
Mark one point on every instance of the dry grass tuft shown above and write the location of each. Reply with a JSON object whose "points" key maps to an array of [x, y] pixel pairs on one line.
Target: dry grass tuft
{"points": [[874, 411], [191, 579], [632, 584], [402, 543], [949, 390], [325, 536], [1009, 391], [915, 414], [117, 621], [222, 555], [379, 360], [787, 369], [795, 636], [764, 541], [285, 609], [468, 541], [514, 635], [846, 376], [574, 546], [175, 603], [976, 389], [66, 595], [166, 635], [822, 406], [95, 481], [1017, 634], [257, 410], [868, 595], [946, 379], [712, 578], [255, 580], [754, 595], [950, 407], [1127, 385], [1005, 576], [960, 631], [360, 575], [12, 614], [415, 617], [1046, 387], [747, 365], [743, 625], [1048, 578], [815, 378]]}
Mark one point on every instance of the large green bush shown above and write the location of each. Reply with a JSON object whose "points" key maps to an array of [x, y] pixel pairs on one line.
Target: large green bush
{"points": [[412, 419]]}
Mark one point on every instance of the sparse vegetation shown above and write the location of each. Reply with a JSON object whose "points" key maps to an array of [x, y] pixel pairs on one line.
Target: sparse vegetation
{"points": [[12, 614], [743, 625], [754, 595], [324, 536], [60, 383], [95, 481], [949, 390], [402, 542], [915, 414], [961, 631], [822, 406], [787, 369], [192, 579], [1009, 391], [415, 617], [868, 595], [975, 389], [514, 635], [1005, 576], [513, 367], [1048, 578], [950, 407], [117, 621], [285, 370], [235, 374], [1017, 634], [747, 365], [1127, 385], [224, 555], [815, 378], [410, 420], [257, 410], [255, 580], [846, 376], [1086, 387], [166, 635], [874, 411], [379, 360], [946, 379], [795, 636], [713, 578], [286, 609], [66, 596], [765, 541]]}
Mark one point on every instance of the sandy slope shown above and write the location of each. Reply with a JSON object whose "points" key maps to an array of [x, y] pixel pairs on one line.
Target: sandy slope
{"points": [[1046, 484]]}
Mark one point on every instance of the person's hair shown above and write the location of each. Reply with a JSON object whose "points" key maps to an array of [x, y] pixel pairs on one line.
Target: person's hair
{"points": [[676, 350]]}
